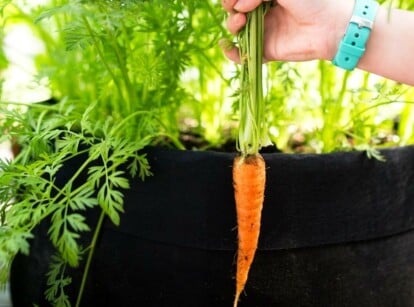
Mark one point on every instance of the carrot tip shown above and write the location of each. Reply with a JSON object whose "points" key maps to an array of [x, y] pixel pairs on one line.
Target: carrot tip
{"points": [[236, 300]]}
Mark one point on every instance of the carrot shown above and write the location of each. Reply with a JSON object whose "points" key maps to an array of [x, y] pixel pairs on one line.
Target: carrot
{"points": [[249, 172], [249, 176]]}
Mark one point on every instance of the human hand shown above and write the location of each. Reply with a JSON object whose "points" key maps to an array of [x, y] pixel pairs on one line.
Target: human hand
{"points": [[296, 30]]}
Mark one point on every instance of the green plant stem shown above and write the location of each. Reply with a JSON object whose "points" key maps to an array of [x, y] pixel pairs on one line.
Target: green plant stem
{"points": [[321, 66], [252, 132], [343, 89], [122, 66], [38, 105], [73, 178], [374, 106], [175, 140], [210, 62], [89, 259], [118, 127], [101, 55], [51, 209]]}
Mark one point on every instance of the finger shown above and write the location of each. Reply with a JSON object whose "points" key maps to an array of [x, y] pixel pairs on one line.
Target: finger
{"points": [[235, 22], [229, 50], [233, 55], [246, 5], [228, 5]]}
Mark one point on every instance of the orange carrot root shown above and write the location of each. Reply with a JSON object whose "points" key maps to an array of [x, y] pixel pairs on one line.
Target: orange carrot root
{"points": [[249, 177]]}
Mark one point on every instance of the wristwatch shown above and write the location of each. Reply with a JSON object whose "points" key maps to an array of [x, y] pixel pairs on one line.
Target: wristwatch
{"points": [[352, 46]]}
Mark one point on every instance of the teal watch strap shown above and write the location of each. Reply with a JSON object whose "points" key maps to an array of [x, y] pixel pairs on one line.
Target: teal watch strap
{"points": [[352, 46]]}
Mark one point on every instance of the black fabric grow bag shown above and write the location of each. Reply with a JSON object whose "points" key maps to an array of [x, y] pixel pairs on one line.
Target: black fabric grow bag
{"points": [[337, 230]]}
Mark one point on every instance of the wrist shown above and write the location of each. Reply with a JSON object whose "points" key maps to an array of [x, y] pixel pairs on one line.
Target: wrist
{"points": [[341, 20], [377, 41], [340, 16]]}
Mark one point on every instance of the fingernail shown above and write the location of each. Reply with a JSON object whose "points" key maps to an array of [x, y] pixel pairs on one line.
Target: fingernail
{"points": [[239, 5]]}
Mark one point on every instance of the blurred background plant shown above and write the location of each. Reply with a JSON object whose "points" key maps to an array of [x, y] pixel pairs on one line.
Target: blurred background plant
{"points": [[316, 107]]}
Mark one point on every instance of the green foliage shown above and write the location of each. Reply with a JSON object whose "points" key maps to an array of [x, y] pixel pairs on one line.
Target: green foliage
{"points": [[45, 148], [30, 195], [115, 70], [57, 281], [329, 110]]}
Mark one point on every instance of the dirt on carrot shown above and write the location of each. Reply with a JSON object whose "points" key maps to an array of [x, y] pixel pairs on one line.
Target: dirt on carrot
{"points": [[249, 178]]}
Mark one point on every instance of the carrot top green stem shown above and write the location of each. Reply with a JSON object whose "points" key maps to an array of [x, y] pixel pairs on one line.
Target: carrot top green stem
{"points": [[252, 130]]}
